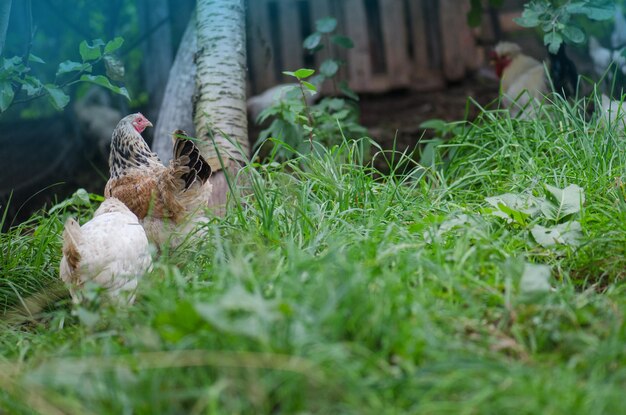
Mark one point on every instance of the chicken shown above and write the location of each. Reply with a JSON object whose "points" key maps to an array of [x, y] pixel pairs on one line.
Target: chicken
{"points": [[618, 36], [523, 81], [603, 57], [111, 250], [613, 113], [167, 200]]}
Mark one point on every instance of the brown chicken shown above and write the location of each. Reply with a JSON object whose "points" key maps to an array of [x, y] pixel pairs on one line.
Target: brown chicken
{"points": [[166, 200], [523, 81]]}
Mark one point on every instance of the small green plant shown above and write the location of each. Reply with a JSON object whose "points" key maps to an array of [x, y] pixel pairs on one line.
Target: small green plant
{"points": [[475, 14], [295, 120], [556, 211], [556, 19], [18, 84]]}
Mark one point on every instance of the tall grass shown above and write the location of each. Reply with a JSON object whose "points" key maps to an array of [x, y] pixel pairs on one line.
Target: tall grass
{"points": [[333, 288]]}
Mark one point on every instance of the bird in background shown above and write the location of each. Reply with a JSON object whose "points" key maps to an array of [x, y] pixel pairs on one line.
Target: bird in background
{"points": [[167, 200], [523, 80], [111, 250], [610, 64], [603, 58], [618, 36]]}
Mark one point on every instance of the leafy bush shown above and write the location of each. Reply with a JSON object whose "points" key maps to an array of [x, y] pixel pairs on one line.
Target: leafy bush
{"points": [[18, 84], [328, 122], [557, 19]]}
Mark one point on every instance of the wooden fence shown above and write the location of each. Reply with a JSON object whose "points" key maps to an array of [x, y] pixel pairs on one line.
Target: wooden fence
{"points": [[417, 44]]}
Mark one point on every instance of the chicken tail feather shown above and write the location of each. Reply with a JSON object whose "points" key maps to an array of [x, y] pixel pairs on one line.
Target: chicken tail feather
{"points": [[187, 155], [71, 238]]}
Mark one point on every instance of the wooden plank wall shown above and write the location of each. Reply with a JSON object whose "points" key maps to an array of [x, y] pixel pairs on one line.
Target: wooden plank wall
{"points": [[418, 44]]}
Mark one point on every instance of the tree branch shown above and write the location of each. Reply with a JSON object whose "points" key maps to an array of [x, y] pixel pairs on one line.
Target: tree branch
{"points": [[5, 12]]}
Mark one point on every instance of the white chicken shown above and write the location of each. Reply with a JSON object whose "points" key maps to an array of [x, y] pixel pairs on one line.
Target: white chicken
{"points": [[613, 113], [111, 250], [523, 81], [603, 57], [618, 36]]}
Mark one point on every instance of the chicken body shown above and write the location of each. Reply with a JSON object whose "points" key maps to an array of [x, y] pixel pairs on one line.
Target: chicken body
{"points": [[613, 113], [166, 199], [110, 250], [602, 58], [523, 81], [618, 36]]}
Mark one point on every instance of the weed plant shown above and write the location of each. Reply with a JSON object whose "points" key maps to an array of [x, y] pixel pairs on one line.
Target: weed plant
{"points": [[332, 288]]}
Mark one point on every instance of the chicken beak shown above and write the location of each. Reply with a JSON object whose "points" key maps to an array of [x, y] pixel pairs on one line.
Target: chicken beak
{"points": [[148, 124]]}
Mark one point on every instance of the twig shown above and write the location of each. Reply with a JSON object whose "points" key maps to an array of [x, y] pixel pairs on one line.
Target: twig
{"points": [[308, 114], [145, 36], [30, 33]]}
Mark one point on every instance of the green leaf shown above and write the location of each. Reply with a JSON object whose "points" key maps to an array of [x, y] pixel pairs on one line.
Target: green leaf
{"points": [[527, 20], [593, 10], [553, 41], [535, 278], [31, 85], [335, 104], [303, 73], [434, 124], [569, 233], [563, 202], [113, 45], [326, 25], [343, 41], [347, 91], [312, 41], [86, 317], [12, 66], [90, 52], [114, 67], [329, 68], [513, 207], [36, 59], [104, 82], [574, 34], [81, 197], [6, 95], [71, 66], [242, 313], [429, 153], [58, 98], [534, 13], [475, 14], [309, 86]]}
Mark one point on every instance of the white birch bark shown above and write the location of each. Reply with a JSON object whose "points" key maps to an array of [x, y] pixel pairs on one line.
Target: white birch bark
{"points": [[220, 100]]}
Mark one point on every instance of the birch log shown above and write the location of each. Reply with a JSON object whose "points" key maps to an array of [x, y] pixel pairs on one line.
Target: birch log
{"points": [[220, 101]]}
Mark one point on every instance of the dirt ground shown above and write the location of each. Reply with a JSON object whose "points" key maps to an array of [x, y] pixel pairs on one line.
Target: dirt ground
{"points": [[399, 114]]}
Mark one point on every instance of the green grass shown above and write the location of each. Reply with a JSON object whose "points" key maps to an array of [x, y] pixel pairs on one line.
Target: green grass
{"points": [[335, 289]]}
